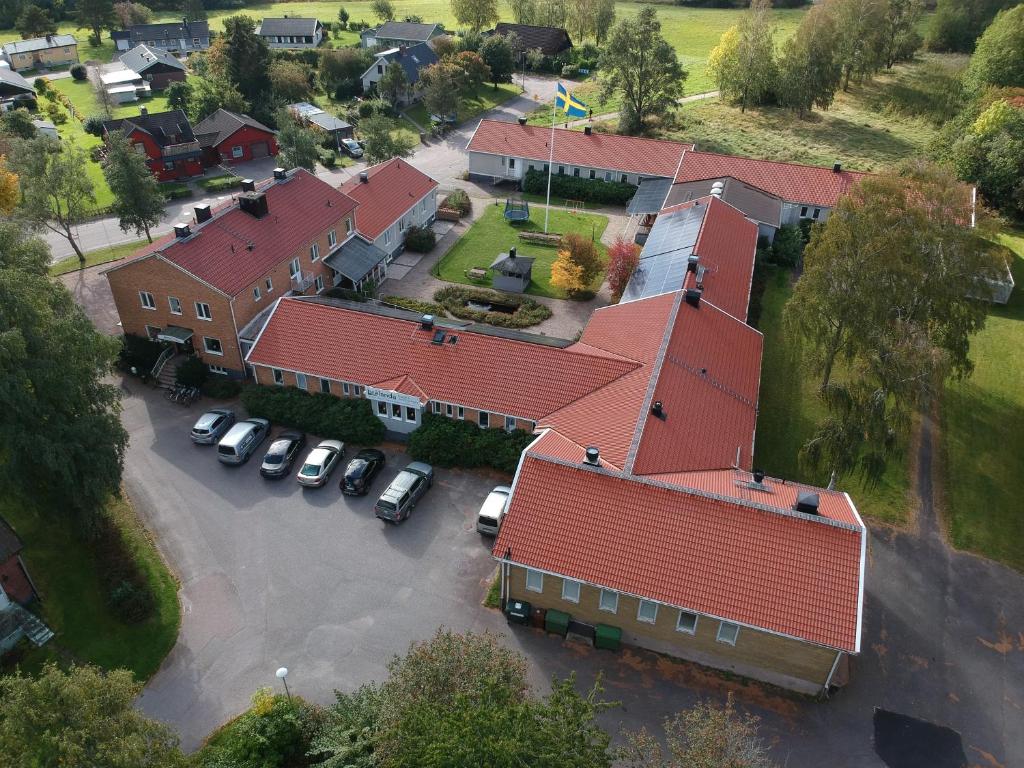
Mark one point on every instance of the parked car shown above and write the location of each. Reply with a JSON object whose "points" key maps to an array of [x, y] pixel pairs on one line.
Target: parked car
{"points": [[351, 148], [242, 440], [488, 520], [281, 455], [360, 472], [398, 500], [212, 425], [320, 463]]}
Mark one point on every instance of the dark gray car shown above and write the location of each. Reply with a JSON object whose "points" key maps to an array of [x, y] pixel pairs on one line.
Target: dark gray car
{"points": [[212, 425], [398, 500]]}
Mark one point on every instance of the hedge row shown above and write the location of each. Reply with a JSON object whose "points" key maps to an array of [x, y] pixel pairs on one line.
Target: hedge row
{"points": [[528, 312], [578, 188], [456, 443], [350, 420], [415, 305]]}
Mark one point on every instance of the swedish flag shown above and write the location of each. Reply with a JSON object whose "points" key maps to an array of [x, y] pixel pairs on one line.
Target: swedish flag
{"points": [[568, 104]]}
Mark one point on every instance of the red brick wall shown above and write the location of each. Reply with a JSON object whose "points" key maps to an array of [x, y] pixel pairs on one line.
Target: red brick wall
{"points": [[14, 581], [245, 137]]}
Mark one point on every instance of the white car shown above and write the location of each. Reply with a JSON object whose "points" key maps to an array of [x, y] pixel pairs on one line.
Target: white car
{"points": [[320, 462], [493, 510]]}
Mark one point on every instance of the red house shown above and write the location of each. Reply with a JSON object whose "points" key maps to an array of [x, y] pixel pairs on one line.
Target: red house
{"points": [[166, 138], [14, 578], [229, 137]]}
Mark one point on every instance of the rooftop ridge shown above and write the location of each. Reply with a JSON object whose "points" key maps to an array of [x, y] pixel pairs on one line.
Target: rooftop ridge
{"points": [[773, 162]]}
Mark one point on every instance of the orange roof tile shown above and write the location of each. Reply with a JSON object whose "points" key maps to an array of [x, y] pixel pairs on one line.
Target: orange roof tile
{"points": [[393, 187]]}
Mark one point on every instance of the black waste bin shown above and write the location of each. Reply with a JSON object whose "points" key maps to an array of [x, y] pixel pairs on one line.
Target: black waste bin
{"points": [[518, 611]]}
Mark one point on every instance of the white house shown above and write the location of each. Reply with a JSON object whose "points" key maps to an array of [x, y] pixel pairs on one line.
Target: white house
{"points": [[291, 33]]}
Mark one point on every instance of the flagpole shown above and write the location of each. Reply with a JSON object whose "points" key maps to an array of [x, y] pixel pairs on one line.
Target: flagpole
{"points": [[551, 160]]}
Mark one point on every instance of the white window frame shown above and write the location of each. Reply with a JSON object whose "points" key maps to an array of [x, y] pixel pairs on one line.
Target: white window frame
{"points": [[278, 375], [356, 391], [294, 268], [483, 419], [300, 381], [436, 407], [462, 412], [387, 236], [172, 302], [218, 369], [325, 386], [318, 283], [237, 152], [270, 285], [348, 226], [314, 252], [643, 604], [147, 300], [727, 626], [537, 578], [510, 423], [803, 212], [449, 410], [332, 238], [206, 346], [256, 295], [687, 630], [344, 387], [615, 601], [411, 414], [202, 314], [571, 590], [382, 408]]}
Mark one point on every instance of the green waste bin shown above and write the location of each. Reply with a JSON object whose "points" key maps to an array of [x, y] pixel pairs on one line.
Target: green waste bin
{"points": [[557, 622], [608, 637], [518, 611]]}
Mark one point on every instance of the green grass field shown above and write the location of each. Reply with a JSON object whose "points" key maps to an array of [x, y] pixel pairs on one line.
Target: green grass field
{"points": [[471, 104], [983, 434], [789, 411], [491, 235], [93, 258], [74, 604]]}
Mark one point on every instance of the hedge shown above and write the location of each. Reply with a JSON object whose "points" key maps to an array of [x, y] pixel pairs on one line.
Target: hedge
{"points": [[350, 420], [528, 312], [415, 305], [140, 352], [578, 188], [420, 239], [457, 443]]}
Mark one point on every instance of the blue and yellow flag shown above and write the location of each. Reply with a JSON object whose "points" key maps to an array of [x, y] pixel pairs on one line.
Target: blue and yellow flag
{"points": [[568, 104]]}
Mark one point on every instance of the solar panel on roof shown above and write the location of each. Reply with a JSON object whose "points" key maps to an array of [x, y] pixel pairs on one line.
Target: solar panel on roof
{"points": [[663, 261]]}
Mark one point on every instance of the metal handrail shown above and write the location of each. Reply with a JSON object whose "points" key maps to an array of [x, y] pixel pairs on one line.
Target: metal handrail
{"points": [[161, 361]]}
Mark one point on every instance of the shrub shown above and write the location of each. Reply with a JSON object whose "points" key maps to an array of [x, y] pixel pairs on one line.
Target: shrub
{"points": [[350, 420], [787, 249], [577, 188], [177, 193], [420, 239], [57, 115], [42, 86], [328, 159], [415, 305], [127, 590], [78, 71], [192, 373], [130, 602], [221, 387], [220, 183], [140, 352], [275, 732], [570, 70], [528, 312], [456, 443], [94, 125], [623, 258], [366, 108], [459, 201]]}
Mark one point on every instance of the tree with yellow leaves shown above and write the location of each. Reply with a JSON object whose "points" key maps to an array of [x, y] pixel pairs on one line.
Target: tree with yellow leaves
{"points": [[8, 188], [578, 264], [566, 274]]}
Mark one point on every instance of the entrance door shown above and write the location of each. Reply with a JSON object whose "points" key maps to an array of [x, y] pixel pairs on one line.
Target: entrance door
{"points": [[260, 149]]}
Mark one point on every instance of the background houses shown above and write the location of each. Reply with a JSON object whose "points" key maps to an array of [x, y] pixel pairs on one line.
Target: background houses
{"points": [[167, 141], [393, 34], [181, 35], [41, 52], [551, 41], [410, 58], [158, 67], [291, 33]]}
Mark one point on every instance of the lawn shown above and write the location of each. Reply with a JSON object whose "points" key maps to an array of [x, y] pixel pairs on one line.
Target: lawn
{"points": [[983, 434], [789, 411], [491, 235], [74, 604], [92, 258], [470, 104]]}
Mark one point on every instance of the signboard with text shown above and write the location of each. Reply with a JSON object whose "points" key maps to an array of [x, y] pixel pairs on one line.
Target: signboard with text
{"points": [[390, 396]]}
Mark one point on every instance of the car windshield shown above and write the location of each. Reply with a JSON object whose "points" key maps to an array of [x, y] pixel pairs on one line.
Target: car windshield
{"points": [[356, 467], [386, 504], [310, 470]]}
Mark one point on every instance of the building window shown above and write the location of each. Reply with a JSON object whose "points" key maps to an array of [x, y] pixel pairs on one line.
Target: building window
{"points": [[168, 165], [410, 414], [561, 170], [803, 212], [593, 173], [314, 251], [576, 172], [437, 408], [278, 376], [203, 311], [387, 237], [534, 580], [236, 152], [624, 178], [152, 332], [511, 162], [147, 300], [607, 175], [532, 168], [816, 214], [319, 283], [382, 408], [212, 345], [609, 601], [462, 412], [325, 386], [449, 410], [396, 411], [484, 419], [348, 226], [218, 369], [380, 69], [687, 622], [401, 224], [356, 390], [332, 238], [300, 380], [570, 590], [174, 304], [510, 423], [293, 267], [647, 612], [728, 632], [344, 387], [256, 293], [270, 285]]}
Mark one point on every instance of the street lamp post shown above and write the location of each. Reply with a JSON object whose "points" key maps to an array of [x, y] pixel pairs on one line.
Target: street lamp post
{"points": [[282, 675]]}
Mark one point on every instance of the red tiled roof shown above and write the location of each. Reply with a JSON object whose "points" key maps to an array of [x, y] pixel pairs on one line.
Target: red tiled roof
{"points": [[625, 154], [773, 570], [501, 375], [393, 188], [805, 184], [218, 252]]}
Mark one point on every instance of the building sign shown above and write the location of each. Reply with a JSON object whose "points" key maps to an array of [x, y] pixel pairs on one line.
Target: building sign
{"points": [[390, 396]]}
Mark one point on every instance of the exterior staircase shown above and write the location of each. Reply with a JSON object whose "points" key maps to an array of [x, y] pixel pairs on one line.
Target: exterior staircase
{"points": [[33, 627], [165, 379]]}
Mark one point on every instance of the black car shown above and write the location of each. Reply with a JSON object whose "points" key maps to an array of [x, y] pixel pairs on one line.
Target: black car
{"points": [[360, 472], [281, 454]]}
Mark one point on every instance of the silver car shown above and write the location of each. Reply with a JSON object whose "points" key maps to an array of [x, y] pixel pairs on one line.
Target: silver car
{"points": [[320, 463], [398, 500], [212, 425]]}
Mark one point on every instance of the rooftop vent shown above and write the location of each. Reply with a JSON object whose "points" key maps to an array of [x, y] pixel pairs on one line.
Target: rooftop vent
{"points": [[203, 213], [807, 502], [717, 189], [691, 262], [364, 177], [758, 475], [512, 252], [837, 167], [280, 173], [427, 322], [452, 338], [522, 121], [248, 185], [592, 456], [658, 410], [143, 111], [182, 230], [587, 130], [693, 296], [254, 203], [438, 337]]}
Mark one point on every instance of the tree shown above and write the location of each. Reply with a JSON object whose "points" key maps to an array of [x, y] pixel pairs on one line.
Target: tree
{"points": [[138, 201], [383, 10], [579, 19], [383, 139], [194, 10], [299, 145], [550, 13], [705, 736], [8, 188], [475, 71], [82, 717], [577, 266], [985, 145], [179, 95], [341, 70], [393, 84], [441, 84], [643, 68], [128, 13], [809, 70], [523, 11], [18, 123], [743, 63], [96, 15], [247, 56], [55, 193], [957, 24], [476, 14], [901, 38], [604, 17], [498, 53], [35, 22], [999, 56], [623, 259], [343, 17], [210, 94], [289, 80], [860, 48]]}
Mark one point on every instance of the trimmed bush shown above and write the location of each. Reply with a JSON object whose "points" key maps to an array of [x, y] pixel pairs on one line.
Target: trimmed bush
{"points": [[415, 305], [191, 373], [456, 443], [350, 420], [140, 352], [577, 188], [787, 250], [420, 239], [78, 72], [130, 602], [528, 312], [93, 125], [221, 387], [220, 183]]}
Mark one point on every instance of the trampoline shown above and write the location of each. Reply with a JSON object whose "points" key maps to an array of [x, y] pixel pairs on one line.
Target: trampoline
{"points": [[517, 210]]}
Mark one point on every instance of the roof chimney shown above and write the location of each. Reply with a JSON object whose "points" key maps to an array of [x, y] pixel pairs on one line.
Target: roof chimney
{"points": [[182, 230], [592, 456], [512, 252], [203, 213], [254, 203], [280, 173], [587, 130], [522, 121], [758, 475], [143, 111], [691, 262], [364, 177], [248, 185], [658, 410], [693, 296], [427, 322], [807, 502], [837, 167]]}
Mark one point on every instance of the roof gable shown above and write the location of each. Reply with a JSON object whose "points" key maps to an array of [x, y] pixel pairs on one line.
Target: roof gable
{"points": [[142, 57], [221, 125], [391, 189], [166, 128], [406, 30], [548, 40], [288, 25]]}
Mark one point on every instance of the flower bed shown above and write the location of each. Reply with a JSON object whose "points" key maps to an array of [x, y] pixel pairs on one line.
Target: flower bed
{"points": [[516, 311]]}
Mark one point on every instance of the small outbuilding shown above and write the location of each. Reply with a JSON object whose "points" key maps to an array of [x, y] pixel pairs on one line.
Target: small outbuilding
{"points": [[231, 137], [512, 273], [156, 66]]}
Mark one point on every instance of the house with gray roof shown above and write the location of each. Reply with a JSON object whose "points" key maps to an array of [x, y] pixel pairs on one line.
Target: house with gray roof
{"points": [[232, 137], [393, 34], [14, 87], [291, 32], [41, 52], [156, 66], [412, 59], [181, 35], [357, 262]]}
